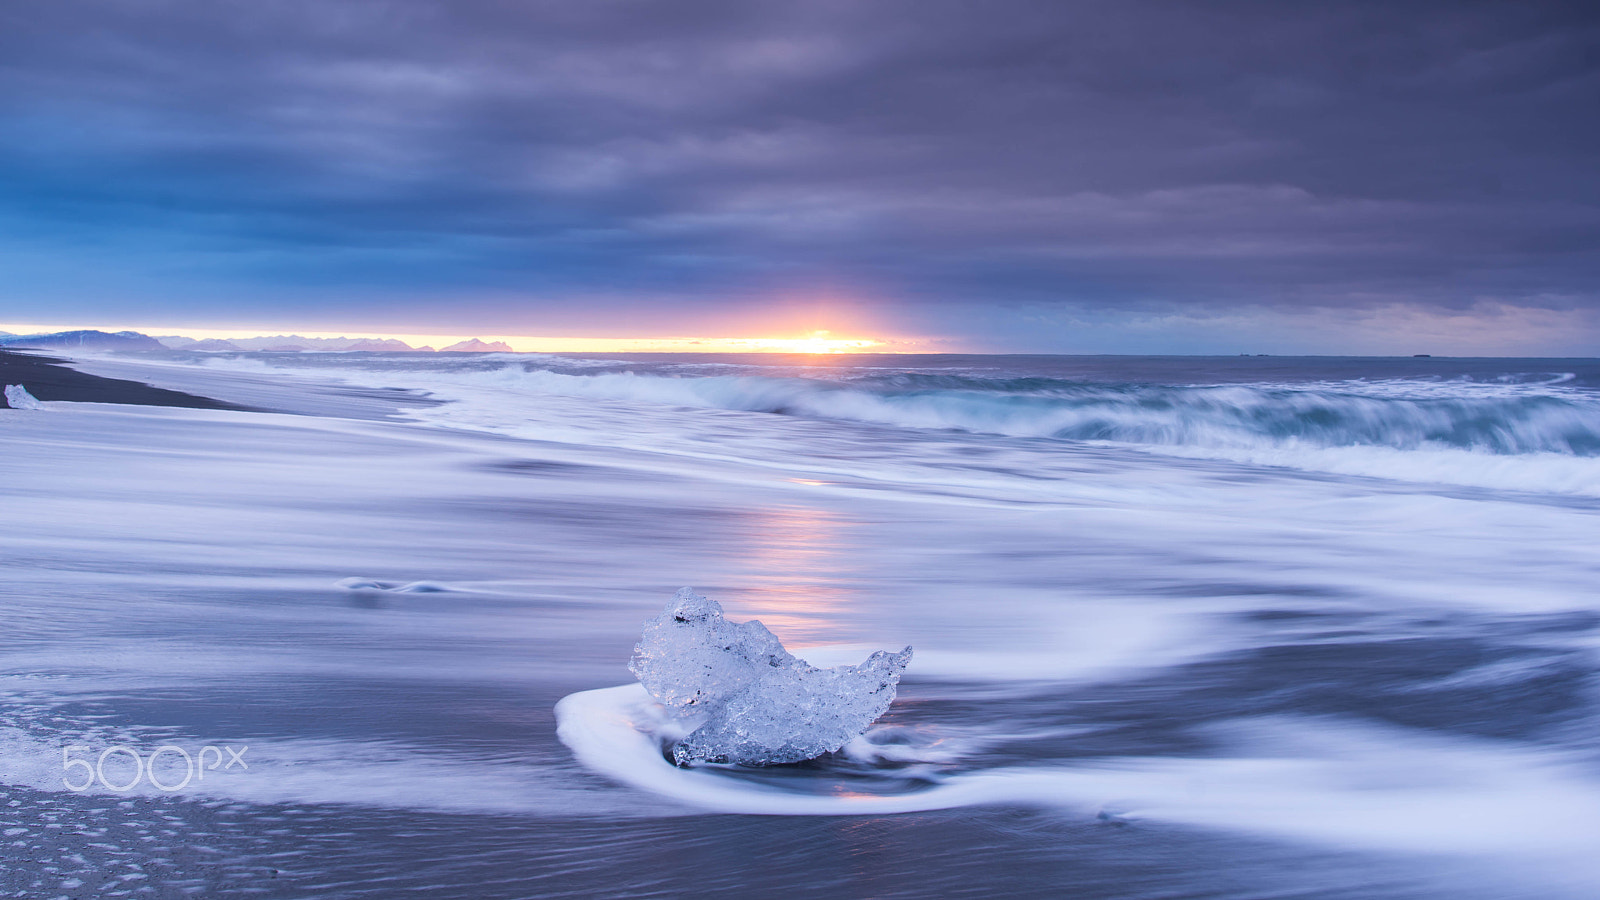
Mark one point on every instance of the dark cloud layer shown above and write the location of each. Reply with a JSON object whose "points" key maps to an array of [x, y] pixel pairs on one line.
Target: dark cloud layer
{"points": [[526, 163]]}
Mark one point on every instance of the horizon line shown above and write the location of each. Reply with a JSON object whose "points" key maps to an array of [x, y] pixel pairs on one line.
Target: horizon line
{"points": [[815, 342]]}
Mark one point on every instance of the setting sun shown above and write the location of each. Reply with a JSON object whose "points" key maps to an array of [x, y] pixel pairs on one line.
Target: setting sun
{"points": [[817, 342]]}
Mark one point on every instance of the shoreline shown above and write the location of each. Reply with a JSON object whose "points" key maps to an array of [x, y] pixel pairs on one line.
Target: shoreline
{"points": [[51, 378]]}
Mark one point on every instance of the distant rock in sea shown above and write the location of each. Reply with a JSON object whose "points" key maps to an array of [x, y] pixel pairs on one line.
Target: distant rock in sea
{"points": [[476, 346], [84, 340]]}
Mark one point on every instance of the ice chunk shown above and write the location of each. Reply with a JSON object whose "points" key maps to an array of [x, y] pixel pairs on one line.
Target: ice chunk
{"points": [[762, 706], [17, 397], [691, 659], [796, 713]]}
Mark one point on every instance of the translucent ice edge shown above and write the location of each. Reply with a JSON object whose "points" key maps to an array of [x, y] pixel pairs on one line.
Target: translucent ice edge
{"points": [[1335, 783], [18, 397], [755, 702]]}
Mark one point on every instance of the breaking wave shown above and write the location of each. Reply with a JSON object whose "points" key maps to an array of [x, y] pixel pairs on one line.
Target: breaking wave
{"points": [[1532, 431], [1501, 419]]}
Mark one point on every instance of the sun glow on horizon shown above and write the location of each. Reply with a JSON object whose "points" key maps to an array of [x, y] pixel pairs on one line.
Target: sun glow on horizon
{"points": [[815, 343]]}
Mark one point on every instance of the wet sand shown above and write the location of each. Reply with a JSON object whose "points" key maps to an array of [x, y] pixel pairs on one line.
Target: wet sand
{"points": [[49, 378], [1217, 701]]}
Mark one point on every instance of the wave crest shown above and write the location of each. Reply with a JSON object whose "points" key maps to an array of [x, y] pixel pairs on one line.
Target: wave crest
{"points": [[1495, 419]]}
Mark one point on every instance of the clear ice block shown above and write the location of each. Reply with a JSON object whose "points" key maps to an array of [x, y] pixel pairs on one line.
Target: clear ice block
{"points": [[17, 397], [762, 706]]}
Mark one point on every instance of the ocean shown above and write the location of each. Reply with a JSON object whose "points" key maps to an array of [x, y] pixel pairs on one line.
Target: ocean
{"points": [[1234, 627]]}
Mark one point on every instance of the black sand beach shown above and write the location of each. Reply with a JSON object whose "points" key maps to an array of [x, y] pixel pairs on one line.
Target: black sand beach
{"points": [[1138, 675], [48, 378]]}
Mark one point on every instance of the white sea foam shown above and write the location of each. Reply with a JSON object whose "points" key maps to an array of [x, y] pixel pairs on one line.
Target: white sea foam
{"points": [[1554, 473], [1326, 781], [177, 554], [398, 587], [1538, 436]]}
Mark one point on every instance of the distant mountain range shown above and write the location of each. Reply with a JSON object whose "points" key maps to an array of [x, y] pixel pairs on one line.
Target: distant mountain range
{"points": [[283, 343], [476, 346], [83, 340]]}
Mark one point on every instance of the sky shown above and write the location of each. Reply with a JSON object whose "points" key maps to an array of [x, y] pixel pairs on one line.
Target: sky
{"points": [[998, 176]]}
